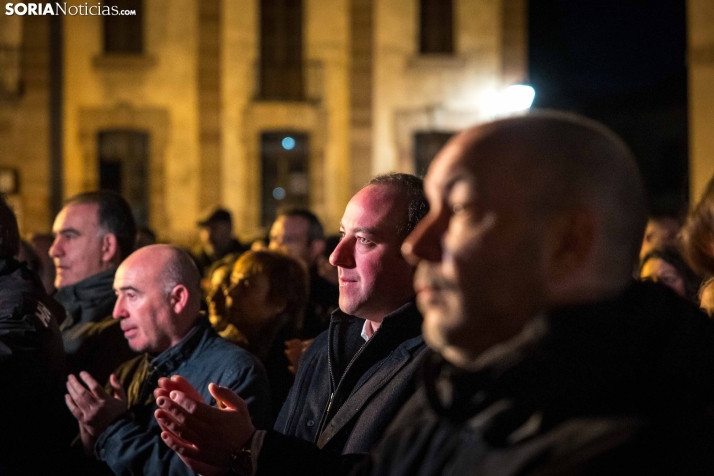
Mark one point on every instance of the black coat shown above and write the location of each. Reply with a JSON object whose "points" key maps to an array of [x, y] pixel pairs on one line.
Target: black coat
{"points": [[617, 387], [93, 340], [35, 425], [345, 394]]}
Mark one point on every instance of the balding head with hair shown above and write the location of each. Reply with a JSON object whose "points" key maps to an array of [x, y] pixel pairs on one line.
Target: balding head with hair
{"points": [[527, 214], [158, 297]]}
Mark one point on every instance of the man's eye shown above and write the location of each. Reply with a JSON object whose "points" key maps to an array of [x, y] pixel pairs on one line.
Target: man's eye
{"points": [[363, 241], [342, 235]]}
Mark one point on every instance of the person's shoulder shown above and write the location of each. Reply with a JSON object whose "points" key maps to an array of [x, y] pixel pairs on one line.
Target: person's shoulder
{"points": [[223, 350]]}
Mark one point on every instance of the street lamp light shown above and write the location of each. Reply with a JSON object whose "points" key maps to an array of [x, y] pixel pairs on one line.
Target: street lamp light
{"points": [[516, 98]]}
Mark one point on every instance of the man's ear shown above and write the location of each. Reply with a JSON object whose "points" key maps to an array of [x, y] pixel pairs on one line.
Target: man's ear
{"points": [[178, 299], [570, 244], [110, 248], [317, 247]]}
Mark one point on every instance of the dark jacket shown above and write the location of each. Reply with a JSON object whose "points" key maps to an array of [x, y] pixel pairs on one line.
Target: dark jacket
{"points": [[33, 415], [132, 444], [93, 340], [345, 394], [616, 387]]}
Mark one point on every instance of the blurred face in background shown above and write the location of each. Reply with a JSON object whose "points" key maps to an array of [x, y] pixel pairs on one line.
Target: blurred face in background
{"points": [[658, 270], [247, 302], [660, 233], [215, 294], [289, 234]]}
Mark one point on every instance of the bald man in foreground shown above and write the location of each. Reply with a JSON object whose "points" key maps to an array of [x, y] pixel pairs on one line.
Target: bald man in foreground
{"points": [[548, 358], [158, 301]]}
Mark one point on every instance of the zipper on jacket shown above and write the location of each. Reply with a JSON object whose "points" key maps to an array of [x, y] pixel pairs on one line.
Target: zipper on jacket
{"points": [[335, 387]]}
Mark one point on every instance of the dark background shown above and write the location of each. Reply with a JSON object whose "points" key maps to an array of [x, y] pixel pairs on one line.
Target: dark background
{"points": [[621, 62]]}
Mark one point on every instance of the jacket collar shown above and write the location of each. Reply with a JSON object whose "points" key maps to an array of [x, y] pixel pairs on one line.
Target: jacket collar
{"points": [[93, 288], [170, 359]]}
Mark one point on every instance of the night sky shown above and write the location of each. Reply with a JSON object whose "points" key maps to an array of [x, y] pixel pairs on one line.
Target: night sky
{"points": [[622, 62]]}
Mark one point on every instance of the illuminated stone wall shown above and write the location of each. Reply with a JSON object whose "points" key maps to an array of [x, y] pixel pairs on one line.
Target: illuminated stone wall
{"points": [[700, 25], [414, 92], [193, 90]]}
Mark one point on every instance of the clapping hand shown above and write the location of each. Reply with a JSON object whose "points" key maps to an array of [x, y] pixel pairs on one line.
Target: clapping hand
{"points": [[203, 436]]}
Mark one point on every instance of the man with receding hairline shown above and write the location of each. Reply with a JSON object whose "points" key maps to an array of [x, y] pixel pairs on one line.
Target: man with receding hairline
{"points": [[548, 358], [158, 303]]}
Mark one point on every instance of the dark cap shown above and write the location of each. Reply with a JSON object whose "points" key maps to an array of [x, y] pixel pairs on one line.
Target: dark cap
{"points": [[216, 216]]}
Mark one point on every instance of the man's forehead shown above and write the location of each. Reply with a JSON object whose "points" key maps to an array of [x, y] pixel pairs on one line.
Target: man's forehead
{"points": [[375, 206], [294, 224], [78, 216]]}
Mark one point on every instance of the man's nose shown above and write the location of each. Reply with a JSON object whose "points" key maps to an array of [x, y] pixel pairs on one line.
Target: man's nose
{"points": [[119, 310], [343, 255], [424, 242], [55, 250]]}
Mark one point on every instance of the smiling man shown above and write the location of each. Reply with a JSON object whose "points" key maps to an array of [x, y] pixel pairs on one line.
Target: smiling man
{"points": [[158, 308], [93, 233], [351, 380]]}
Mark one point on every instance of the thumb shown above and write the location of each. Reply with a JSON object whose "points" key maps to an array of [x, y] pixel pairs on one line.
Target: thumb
{"points": [[118, 389], [228, 398]]}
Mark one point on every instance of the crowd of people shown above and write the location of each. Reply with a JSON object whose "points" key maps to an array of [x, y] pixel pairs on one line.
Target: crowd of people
{"points": [[514, 313]]}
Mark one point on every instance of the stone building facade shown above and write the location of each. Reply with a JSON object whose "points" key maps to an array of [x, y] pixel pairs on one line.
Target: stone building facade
{"points": [[248, 104]]}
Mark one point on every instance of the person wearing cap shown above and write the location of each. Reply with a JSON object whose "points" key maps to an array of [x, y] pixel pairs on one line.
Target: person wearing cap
{"points": [[217, 239]]}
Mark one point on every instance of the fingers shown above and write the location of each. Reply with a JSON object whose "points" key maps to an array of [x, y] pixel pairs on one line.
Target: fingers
{"points": [[182, 385], [228, 398], [79, 394], [73, 408], [181, 410], [95, 387], [160, 392], [181, 447], [167, 423], [179, 384], [118, 389]]}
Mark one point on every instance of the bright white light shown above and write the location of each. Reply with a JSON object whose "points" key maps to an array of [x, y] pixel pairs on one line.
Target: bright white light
{"points": [[288, 143], [518, 97], [278, 193]]}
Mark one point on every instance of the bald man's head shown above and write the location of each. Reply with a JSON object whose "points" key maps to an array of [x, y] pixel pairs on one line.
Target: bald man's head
{"points": [[557, 162], [158, 290], [526, 214]]}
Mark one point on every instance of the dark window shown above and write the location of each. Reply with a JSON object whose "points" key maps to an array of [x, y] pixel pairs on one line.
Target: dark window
{"points": [[436, 34], [281, 68], [286, 179], [124, 33], [426, 146], [124, 168]]}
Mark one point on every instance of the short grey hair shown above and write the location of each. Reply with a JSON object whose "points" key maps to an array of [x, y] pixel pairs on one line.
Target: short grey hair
{"points": [[180, 268]]}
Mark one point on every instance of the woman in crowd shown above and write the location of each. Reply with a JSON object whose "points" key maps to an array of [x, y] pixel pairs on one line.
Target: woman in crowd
{"points": [[669, 268], [219, 278], [265, 299]]}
